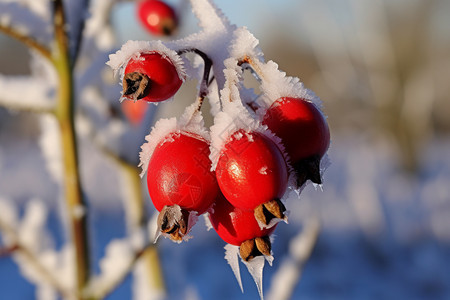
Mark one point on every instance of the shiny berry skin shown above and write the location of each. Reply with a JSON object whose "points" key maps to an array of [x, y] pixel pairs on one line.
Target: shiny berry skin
{"points": [[235, 225], [303, 131], [150, 77], [251, 170], [179, 173], [157, 17], [134, 111]]}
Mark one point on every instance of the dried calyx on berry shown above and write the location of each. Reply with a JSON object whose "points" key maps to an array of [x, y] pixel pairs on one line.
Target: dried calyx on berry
{"points": [[150, 71], [240, 228], [173, 221], [252, 174], [151, 77], [180, 182], [255, 247]]}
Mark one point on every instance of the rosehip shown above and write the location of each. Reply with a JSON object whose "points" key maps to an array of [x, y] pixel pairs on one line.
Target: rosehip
{"points": [[134, 111], [239, 227], [157, 17], [304, 133], [179, 175], [252, 174], [151, 77]]}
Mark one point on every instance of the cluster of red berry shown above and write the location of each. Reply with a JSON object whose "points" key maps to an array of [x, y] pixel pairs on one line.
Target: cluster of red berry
{"points": [[243, 188]]}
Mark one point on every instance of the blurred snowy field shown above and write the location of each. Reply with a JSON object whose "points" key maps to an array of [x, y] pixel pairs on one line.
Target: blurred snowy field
{"points": [[385, 234]]}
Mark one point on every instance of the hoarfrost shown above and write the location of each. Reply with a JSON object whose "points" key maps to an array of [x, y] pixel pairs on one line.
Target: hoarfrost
{"points": [[191, 121], [133, 49], [49, 142], [255, 267], [118, 258], [33, 92], [232, 257], [98, 26]]}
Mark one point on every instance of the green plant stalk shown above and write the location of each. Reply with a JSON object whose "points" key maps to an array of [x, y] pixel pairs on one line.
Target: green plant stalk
{"points": [[64, 113]]}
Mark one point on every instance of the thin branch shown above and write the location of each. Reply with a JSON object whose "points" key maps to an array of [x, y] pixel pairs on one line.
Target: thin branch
{"points": [[31, 258], [26, 108], [27, 41], [113, 284], [300, 250]]}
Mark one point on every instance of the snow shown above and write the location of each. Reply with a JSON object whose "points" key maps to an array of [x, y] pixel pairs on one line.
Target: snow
{"points": [[98, 26], [28, 17], [50, 144], [118, 258], [190, 122], [35, 92]]}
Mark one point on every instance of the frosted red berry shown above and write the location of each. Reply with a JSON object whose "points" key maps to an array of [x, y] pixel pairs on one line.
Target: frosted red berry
{"points": [[304, 133], [251, 170], [179, 174], [151, 77], [157, 17]]}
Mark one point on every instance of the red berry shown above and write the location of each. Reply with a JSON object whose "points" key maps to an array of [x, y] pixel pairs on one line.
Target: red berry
{"points": [[235, 225], [134, 110], [179, 173], [251, 170], [239, 227], [304, 133], [157, 17], [151, 77]]}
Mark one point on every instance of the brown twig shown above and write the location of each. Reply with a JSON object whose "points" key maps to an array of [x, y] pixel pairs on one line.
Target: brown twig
{"points": [[27, 41]]}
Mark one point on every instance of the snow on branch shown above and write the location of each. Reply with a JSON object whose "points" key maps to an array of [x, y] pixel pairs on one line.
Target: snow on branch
{"points": [[30, 93]]}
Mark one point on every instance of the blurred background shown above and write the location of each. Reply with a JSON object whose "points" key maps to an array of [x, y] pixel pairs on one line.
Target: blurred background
{"points": [[382, 70]]}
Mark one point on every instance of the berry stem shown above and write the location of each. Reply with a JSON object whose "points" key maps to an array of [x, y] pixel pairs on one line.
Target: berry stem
{"points": [[255, 67], [206, 71]]}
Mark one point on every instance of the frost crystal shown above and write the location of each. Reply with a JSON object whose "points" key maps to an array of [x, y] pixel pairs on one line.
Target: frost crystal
{"points": [[255, 268], [232, 257]]}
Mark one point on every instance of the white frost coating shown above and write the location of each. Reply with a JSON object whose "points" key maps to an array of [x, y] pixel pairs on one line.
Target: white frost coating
{"points": [[31, 230], [233, 118], [78, 211], [133, 49], [35, 92], [275, 84], [50, 144], [209, 16], [232, 257], [255, 267], [39, 7], [208, 223], [9, 217], [118, 258], [98, 25], [245, 44], [191, 122]]}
